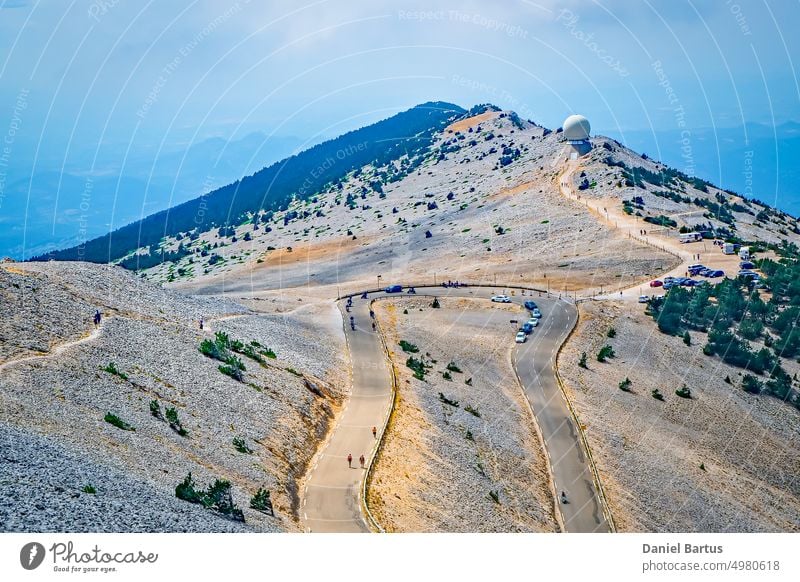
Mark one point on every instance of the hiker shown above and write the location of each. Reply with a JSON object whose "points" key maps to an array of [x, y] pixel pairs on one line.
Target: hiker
{"points": [[374, 432], [350, 460], [361, 459], [201, 324], [97, 317]]}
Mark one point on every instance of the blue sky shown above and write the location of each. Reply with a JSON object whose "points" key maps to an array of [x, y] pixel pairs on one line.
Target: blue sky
{"points": [[112, 71], [98, 87]]}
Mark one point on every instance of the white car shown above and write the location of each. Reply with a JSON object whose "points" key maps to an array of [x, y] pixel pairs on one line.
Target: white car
{"points": [[501, 298], [536, 313], [521, 337], [643, 299], [533, 322]]}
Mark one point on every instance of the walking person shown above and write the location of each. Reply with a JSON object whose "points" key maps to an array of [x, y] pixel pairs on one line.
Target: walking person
{"points": [[350, 461], [201, 324], [361, 460], [97, 317], [374, 432]]}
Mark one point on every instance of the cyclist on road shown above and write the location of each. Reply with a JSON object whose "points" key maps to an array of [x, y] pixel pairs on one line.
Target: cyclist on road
{"points": [[349, 460]]}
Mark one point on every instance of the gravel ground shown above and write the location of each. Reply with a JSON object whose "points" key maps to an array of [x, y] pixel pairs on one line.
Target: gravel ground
{"points": [[649, 453], [44, 304], [64, 397], [440, 463], [509, 221], [41, 490]]}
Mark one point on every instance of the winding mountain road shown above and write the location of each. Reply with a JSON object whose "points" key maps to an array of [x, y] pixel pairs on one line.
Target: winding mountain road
{"points": [[332, 499]]}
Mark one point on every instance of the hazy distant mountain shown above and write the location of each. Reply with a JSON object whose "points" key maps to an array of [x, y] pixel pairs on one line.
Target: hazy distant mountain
{"points": [[59, 207], [726, 155], [271, 188]]}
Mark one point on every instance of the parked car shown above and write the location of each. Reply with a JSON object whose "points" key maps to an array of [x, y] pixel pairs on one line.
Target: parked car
{"points": [[394, 289], [689, 283], [527, 328], [705, 272], [536, 313], [717, 273], [643, 299], [747, 265], [656, 283], [530, 305], [669, 285], [533, 322], [521, 337], [501, 298]]}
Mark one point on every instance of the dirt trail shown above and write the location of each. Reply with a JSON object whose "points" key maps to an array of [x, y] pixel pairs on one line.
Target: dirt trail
{"points": [[631, 226]]}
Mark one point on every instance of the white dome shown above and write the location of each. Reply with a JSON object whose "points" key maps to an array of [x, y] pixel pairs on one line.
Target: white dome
{"points": [[576, 128]]}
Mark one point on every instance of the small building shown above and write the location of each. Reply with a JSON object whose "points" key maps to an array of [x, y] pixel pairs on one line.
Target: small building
{"points": [[576, 131]]}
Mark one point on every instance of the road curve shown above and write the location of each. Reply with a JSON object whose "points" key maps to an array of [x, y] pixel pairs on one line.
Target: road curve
{"points": [[331, 500], [332, 497]]}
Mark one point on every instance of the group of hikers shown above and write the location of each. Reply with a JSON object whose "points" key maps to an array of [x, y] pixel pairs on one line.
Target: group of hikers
{"points": [[449, 283], [361, 459]]}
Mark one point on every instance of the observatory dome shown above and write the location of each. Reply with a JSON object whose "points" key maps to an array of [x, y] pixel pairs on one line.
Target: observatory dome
{"points": [[576, 128]]}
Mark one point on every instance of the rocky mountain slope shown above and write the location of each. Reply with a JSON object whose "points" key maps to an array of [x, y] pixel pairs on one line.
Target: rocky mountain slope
{"points": [[480, 200], [98, 401]]}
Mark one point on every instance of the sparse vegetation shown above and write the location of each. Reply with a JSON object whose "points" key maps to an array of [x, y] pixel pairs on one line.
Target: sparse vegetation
{"points": [[447, 376], [605, 353], [111, 368], [241, 445], [418, 366], [625, 385], [218, 497], [408, 347], [472, 411], [155, 409], [89, 488], [752, 384], [683, 392], [262, 502], [115, 420], [582, 361], [656, 393], [453, 368], [612, 333], [494, 496], [219, 349], [174, 422], [448, 401], [435, 304]]}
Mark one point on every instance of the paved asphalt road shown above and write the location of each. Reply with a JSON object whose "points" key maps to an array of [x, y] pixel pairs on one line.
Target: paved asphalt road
{"points": [[332, 499]]}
